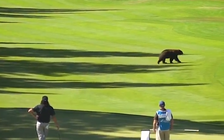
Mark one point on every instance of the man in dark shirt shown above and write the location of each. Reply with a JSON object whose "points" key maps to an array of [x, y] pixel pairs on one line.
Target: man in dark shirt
{"points": [[43, 113]]}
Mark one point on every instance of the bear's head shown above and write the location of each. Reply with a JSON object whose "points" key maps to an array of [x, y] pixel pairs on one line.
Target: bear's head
{"points": [[179, 52]]}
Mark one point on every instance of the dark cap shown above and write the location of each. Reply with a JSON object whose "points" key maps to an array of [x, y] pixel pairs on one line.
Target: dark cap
{"points": [[161, 103], [44, 98]]}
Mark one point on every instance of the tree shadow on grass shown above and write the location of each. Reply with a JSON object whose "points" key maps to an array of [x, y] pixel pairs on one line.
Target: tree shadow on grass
{"points": [[84, 68], [12, 49], [84, 125], [21, 16], [8, 22], [75, 125], [34, 83], [64, 53], [21, 92], [21, 12]]}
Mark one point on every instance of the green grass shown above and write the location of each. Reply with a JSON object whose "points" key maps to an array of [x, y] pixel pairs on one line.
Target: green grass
{"points": [[97, 62]]}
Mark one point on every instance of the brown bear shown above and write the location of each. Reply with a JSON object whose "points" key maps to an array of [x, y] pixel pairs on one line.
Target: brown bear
{"points": [[170, 53]]}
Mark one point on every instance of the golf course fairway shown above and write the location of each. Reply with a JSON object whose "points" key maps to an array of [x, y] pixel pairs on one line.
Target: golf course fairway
{"points": [[96, 60]]}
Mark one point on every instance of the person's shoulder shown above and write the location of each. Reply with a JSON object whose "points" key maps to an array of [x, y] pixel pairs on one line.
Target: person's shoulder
{"points": [[38, 106], [168, 110], [51, 107], [159, 111]]}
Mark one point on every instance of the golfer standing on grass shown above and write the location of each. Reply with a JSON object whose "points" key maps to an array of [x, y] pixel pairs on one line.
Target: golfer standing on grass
{"points": [[163, 122], [43, 114]]}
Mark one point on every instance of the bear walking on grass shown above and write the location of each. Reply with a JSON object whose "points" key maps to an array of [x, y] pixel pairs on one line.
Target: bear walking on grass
{"points": [[172, 54]]}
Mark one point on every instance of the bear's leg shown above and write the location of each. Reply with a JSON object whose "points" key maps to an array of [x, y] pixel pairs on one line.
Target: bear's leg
{"points": [[176, 58], [171, 60], [164, 61], [160, 59]]}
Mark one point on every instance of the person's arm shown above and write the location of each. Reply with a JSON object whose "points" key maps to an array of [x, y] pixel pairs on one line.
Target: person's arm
{"points": [[155, 122], [54, 118], [171, 123], [32, 112], [55, 121]]}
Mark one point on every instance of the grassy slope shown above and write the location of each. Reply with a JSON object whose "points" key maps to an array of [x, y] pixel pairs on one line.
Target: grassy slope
{"points": [[142, 27]]}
